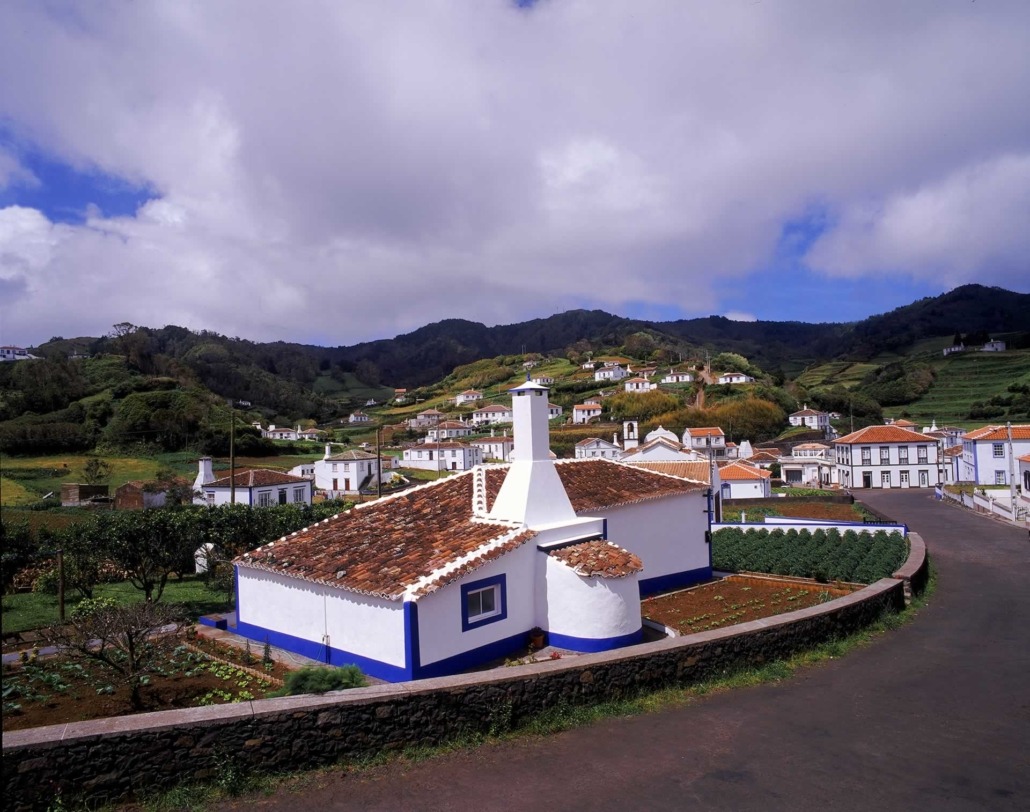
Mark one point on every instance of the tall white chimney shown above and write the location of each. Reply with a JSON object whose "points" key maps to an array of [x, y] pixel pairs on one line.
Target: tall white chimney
{"points": [[205, 473], [532, 492]]}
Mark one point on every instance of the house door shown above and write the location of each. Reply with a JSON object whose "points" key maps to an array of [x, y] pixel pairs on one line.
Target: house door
{"points": [[867, 479], [904, 479], [282, 496], [454, 466], [346, 484], [336, 485]]}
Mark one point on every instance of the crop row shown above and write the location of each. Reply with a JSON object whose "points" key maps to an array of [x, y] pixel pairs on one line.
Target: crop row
{"points": [[826, 555]]}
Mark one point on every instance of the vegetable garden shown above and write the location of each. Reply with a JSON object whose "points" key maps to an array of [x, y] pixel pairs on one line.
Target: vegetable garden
{"points": [[826, 555]]}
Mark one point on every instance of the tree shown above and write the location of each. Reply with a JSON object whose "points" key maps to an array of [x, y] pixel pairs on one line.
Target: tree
{"points": [[149, 545], [17, 550], [131, 640], [96, 470]]}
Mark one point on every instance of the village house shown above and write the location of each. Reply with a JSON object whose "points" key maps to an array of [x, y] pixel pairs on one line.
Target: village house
{"points": [[495, 449], [660, 449], [989, 453], [738, 480], [638, 385], [611, 373], [678, 377], [446, 456], [733, 378], [447, 430], [359, 417], [887, 457], [596, 448], [468, 396], [454, 574], [707, 440], [553, 411], [346, 472], [809, 464], [810, 418], [492, 415], [258, 487], [9, 353], [274, 432], [542, 380], [585, 412], [425, 419]]}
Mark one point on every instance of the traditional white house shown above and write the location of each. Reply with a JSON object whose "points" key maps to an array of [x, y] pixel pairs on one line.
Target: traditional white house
{"points": [[993, 346], [739, 480], [9, 353], [989, 454], [450, 575], [492, 415], [359, 417], [734, 378], [809, 464], [542, 380], [678, 377], [585, 412], [706, 440], [763, 458], [596, 448], [1023, 498], [449, 455], [638, 385], [448, 430], [274, 432], [468, 396], [495, 449], [425, 419], [258, 487], [345, 473], [660, 449], [553, 411], [810, 418], [612, 373], [887, 457]]}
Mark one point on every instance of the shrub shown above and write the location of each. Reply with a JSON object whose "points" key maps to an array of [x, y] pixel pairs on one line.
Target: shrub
{"points": [[319, 679]]}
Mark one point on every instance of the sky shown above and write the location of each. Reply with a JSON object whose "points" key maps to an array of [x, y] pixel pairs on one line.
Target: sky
{"points": [[340, 171]]}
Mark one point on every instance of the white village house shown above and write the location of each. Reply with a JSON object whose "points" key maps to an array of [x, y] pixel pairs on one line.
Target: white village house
{"points": [[989, 454], [495, 449], [343, 473], [449, 455], [735, 378], [453, 574], [810, 418], [739, 480], [597, 448], [258, 487], [887, 457], [585, 412], [492, 415]]}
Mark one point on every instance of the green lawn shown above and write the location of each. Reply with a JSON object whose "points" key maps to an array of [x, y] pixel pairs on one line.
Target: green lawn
{"points": [[30, 610]]}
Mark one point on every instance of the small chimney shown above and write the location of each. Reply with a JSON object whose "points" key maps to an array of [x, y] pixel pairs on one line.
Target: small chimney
{"points": [[328, 451], [205, 473]]}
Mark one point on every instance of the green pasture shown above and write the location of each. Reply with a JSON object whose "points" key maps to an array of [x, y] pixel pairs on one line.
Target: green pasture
{"points": [[845, 373], [967, 378]]}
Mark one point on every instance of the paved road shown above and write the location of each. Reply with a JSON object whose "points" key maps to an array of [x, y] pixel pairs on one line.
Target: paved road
{"points": [[935, 715]]}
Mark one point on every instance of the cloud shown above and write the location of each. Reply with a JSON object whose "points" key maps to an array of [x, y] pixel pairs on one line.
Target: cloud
{"points": [[342, 173], [736, 315]]}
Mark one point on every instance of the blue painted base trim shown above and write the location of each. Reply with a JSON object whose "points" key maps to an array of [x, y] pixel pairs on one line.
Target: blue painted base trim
{"points": [[475, 657], [677, 580], [589, 645], [323, 653], [214, 621]]}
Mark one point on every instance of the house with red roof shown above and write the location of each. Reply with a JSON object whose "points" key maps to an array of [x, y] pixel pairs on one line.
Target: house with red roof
{"points": [[887, 457], [597, 448], [585, 412], [258, 487], [450, 575], [346, 472], [738, 480], [492, 415], [707, 440], [448, 455], [989, 453]]}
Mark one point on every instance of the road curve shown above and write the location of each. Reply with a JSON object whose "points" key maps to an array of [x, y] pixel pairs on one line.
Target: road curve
{"points": [[934, 715]]}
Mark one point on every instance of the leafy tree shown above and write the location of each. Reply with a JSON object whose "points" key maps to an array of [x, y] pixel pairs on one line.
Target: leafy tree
{"points": [[17, 550], [96, 470], [730, 362], [150, 545], [130, 641]]}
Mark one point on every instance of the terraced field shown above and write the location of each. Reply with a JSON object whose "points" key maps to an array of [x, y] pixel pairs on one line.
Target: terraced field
{"points": [[966, 378], [846, 373]]}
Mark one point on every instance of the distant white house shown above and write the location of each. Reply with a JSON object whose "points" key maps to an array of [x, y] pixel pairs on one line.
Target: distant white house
{"points": [[453, 574], [808, 464], [585, 412], [9, 353], [553, 411], [678, 377], [596, 448], [425, 419], [448, 430], [257, 487], [612, 373], [993, 346], [359, 417], [344, 473], [542, 380], [739, 480], [274, 432], [810, 418], [492, 415], [638, 385], [495, 449], [468, 396], [989, 453], [706, 440], [449, 455], [735, 378]]}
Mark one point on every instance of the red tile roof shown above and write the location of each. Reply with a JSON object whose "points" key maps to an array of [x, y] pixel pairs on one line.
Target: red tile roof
{"points": [[996, 433], [707, 431], [741, 472], [883, 434], [698, 471], [598, 558], [256, 478]]}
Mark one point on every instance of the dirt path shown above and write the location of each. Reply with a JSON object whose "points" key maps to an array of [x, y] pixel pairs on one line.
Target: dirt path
{"points": [[935, 716]]}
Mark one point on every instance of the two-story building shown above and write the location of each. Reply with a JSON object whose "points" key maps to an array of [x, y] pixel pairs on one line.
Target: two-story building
{"points": [[585, 412], [989, 454], [492, 415], [258, 487], [887, 457], [707, 440], [810, 418], [449, 455]]}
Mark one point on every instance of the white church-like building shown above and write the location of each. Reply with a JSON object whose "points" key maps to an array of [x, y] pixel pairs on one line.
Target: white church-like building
{"points": [[455, 573]]}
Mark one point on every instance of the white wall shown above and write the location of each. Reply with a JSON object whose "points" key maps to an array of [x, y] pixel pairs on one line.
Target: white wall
{"points": [[360, 624], [591, 608]]}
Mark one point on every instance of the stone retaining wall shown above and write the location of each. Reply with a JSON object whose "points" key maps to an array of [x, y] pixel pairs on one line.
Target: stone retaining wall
{"points": [[116, 758]]}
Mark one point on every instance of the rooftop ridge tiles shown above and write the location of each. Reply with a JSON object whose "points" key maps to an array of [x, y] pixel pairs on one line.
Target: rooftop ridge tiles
{"points": [[421, 586]]}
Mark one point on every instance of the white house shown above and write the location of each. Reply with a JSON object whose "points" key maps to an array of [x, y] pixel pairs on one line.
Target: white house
{"points": [[811, 464], [9, 353], [429, 417], [468, 396], [492, 415], [495, 449], [585, 412], [359, 417], [678, 377], [660, 449], [553, 411], [596, 448], [274, 432], [887, 457], [448, 430], [993, 346], [311, 434], [542, 380], [449, 455], [258, 487], [735, 378], [810, 418], [989, 454], [612, 373], [739, 480], [344, 473], [453, 574], [706, 440], [638, 385]]}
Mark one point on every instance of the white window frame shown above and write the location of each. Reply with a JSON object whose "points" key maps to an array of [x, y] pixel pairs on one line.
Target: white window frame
{"points": [[476, 596], [998, 450]]}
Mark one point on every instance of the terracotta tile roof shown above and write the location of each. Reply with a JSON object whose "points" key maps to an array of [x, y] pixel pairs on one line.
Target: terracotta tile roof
{"points": [[812, 446], [598, 558], [494, 408], [997, 433], [452, 424], [883, 434], [596, 484], [806, 413], [635, 380], [587, 407], [350, 456], [741, 471], [657, 442], [954, 451], [698, 471], [905, 424], [1024, 458], [256, 478], [705, 432], [763, 456], [388, 546]]}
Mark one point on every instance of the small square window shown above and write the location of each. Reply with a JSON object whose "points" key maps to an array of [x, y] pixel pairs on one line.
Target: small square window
{"points": [[999, 450], [483, 602]]}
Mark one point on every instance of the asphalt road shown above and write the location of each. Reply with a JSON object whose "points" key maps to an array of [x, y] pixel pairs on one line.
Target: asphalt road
{"points": [[934, 715]]}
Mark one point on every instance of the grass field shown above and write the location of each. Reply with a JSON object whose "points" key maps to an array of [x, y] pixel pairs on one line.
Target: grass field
{"points": [[966, 378], [845, 373]]}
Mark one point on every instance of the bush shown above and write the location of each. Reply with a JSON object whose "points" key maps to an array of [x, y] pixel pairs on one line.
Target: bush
{"points": [[316, 679]]}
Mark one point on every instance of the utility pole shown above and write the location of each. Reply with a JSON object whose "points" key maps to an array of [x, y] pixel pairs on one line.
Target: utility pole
{"points": [[1012, 473], [379, 464], [232, 452]]}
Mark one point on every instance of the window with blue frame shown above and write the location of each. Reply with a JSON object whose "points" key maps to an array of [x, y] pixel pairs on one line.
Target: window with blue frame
{"points": [[483, 602]]}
